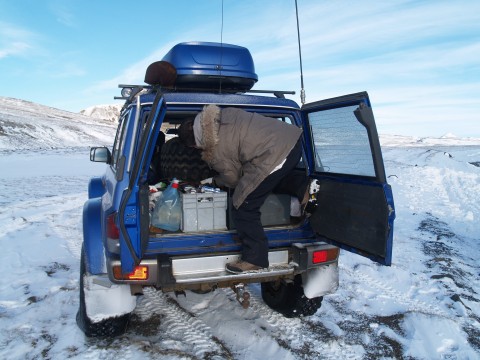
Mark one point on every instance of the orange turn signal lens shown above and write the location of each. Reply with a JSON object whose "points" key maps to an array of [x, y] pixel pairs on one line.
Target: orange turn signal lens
{"points": [[138, 273], [322, 256]]}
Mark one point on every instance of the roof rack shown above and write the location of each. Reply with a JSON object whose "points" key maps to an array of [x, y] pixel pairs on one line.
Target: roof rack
{"points": [[278, 93], [130, 91]]}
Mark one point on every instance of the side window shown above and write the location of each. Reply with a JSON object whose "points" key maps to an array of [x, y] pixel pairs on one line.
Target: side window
{"points": [[286, 119], [119, 139], [289, 120], [341, 142]]}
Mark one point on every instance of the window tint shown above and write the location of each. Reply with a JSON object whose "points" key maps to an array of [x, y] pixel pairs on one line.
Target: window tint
{"points": [[341, 142]]}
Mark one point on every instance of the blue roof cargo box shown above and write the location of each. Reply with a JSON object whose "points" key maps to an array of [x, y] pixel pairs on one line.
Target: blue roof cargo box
{"points": [[208, 65]]}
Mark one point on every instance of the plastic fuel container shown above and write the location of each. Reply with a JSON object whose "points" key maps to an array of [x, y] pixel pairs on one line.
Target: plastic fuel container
{"points": [[167, 213]]}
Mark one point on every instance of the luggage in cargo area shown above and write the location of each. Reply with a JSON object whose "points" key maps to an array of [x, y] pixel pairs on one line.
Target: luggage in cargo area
{"points": [[204, 211]]}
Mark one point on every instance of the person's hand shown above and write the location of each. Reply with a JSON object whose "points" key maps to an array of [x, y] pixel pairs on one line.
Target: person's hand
{"points": [[207, 181]]}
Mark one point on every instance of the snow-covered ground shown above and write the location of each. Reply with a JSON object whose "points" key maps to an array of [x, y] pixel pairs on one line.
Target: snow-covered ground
{"points": [[425, 306]]}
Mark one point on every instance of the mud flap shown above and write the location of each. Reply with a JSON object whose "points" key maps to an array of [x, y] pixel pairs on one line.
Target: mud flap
{"points": [[104, 300], [320, 281]]}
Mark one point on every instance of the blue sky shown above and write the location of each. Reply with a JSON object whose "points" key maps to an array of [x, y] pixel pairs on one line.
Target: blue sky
{"points": [[418, 60]]}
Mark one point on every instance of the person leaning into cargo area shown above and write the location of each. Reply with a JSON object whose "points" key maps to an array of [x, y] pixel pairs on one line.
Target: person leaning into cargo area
{"points": [[252, 154]]}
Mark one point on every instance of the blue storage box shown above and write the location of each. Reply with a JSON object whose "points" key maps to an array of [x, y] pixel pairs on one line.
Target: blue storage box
{"points": [[207, 65]]}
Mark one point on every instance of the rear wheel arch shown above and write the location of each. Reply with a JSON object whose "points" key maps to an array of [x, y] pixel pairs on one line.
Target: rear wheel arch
{"points": [[92, 236], [95, 187]]}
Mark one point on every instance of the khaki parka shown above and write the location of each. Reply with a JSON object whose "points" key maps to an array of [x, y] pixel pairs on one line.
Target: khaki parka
{"points": [[243, 147]]}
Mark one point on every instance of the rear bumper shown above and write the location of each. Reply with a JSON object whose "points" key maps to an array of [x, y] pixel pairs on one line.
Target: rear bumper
{"points": [[207, 271]]}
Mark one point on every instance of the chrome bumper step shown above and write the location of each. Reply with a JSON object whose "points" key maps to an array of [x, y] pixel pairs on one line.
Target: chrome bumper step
{"points": [[212, 269]]}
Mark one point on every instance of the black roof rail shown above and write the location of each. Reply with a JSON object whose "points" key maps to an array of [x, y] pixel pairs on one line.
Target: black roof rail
{"points": [[135, 89], [278, 93]]}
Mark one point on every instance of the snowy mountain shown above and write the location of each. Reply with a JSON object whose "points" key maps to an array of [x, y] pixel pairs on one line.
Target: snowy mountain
{"points": [[425, 306], [107, 112], [26, 125], [446, 140]]}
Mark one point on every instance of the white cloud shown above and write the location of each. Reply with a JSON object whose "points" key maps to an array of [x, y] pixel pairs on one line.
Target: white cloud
{"points": [[63, 14], [133, 74], [15, 41]]}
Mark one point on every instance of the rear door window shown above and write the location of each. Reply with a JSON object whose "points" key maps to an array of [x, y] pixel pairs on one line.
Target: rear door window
{"points": [[341, 142]]}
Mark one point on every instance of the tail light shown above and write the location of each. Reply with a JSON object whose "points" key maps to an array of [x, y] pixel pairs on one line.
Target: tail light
{"points": [[113, 233], [322, 256], [138, 273]]}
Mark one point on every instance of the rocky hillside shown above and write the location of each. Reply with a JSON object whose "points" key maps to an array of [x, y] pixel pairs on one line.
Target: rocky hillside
{"points": [[107, 112], [27, 125]]}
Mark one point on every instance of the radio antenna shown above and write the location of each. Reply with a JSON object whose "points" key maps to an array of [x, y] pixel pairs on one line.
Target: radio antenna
{"points": [[220, 66], [302, 91]]}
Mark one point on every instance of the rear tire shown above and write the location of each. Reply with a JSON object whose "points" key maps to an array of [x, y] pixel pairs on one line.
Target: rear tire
{"points": [[183, 162], [108, 327], [289, 299]]}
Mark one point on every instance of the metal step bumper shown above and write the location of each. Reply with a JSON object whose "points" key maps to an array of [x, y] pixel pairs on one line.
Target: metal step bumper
{"points": [[191, 272]]}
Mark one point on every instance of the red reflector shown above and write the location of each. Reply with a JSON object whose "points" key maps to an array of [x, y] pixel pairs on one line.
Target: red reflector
{"points": [[138, 273], [322, 256], [112, 229], [319, 256]]}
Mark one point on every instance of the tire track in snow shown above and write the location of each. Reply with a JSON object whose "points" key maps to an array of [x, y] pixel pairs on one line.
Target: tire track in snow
{"points": [[183, 327], [386, 290], [294, 334]]}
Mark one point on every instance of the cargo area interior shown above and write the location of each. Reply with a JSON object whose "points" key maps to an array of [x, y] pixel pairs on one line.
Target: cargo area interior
{"points": [[210, 209]]}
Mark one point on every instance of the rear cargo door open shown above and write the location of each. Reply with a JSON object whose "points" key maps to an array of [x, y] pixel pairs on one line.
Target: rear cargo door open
{"points": [[133, 212], [355, 205]]}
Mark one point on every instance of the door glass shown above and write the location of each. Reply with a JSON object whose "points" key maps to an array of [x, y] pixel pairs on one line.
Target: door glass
{"points": [[119, 140], [341, 142]]}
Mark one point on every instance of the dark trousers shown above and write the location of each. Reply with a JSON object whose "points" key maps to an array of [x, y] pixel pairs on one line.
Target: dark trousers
{"points": [[247, 216]]}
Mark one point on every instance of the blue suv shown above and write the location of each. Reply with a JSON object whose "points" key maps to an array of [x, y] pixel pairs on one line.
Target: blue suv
{"points": [[350, 207]]}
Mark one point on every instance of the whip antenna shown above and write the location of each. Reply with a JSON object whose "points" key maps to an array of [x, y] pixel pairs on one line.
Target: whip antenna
{"points": [[302, 91], [220, 66]]}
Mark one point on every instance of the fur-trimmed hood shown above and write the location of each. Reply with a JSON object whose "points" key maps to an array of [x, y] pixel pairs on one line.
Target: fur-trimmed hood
{"points": [[206, 128]]}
